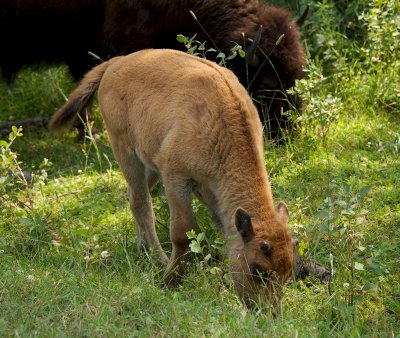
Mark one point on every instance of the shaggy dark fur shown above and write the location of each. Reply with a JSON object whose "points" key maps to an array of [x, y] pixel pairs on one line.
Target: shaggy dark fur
{"points": [[34, 31]]}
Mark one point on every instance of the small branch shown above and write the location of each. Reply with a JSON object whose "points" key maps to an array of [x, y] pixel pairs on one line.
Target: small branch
{"points": [[33, 122], [307, 266], [75, 193]]}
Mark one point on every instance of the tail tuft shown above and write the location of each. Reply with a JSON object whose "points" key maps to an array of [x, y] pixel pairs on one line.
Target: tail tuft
{"points": [[80, 99]]}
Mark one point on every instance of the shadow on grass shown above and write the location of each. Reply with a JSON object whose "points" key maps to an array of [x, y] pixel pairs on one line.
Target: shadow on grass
{"points": [[66, 153]]}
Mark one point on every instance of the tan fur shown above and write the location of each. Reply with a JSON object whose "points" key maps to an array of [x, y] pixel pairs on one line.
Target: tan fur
{"points": [[192, 123]]}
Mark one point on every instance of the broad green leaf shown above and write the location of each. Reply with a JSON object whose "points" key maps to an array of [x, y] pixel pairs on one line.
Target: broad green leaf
{"points": [[192, 50], [358, 266], [200, 237], [181, 38], [302, 248], [191, 234], [215, 270], [25, 221], [364, 191], [195, 247]]}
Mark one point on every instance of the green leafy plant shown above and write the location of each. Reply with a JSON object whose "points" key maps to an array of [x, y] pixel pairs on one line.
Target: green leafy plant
{"points": [[206, 249], [341, 219], [322, 108], [33, 231], [198, 48], [193, 46], [12, 177]]}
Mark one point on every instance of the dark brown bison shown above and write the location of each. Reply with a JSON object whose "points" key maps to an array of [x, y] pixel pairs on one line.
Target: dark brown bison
{"points": [[34, 31]]}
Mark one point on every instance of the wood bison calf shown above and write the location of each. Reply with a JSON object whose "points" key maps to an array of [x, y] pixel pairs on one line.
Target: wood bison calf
{"points": [[32, 31], [190, 122]]}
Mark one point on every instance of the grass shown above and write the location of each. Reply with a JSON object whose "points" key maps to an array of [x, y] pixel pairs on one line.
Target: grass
{"points": [[69, 265]]}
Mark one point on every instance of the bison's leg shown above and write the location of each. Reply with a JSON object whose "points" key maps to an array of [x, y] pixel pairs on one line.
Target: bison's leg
{"points": [[141, 207], [151, 178], [206, 197], [139, 199], [179, 195]]}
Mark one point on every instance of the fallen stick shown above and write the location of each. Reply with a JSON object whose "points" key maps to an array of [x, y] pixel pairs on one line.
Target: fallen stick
{"points": [[305, 266], [30, 123]]}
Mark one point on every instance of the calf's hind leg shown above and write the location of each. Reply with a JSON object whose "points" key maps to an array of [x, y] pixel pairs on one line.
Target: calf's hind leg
{"points": [[140, 201], [151, 178], [179, 195]]}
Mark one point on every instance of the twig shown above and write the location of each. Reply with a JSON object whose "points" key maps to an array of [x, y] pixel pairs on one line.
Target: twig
{"points": [[5, 128], [76, 193]]}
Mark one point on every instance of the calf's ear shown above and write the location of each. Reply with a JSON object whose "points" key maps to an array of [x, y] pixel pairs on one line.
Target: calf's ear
{"points": [[243, 225], [282, 212]]}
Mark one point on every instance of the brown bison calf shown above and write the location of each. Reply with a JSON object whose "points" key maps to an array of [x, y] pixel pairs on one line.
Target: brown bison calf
{"points": [[191, 122]]}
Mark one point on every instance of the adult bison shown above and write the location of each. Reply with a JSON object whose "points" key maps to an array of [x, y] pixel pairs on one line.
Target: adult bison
{"points": [[34, 31]]}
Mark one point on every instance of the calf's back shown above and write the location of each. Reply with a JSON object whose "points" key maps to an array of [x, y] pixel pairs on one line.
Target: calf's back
{"points": [[174, 108]]}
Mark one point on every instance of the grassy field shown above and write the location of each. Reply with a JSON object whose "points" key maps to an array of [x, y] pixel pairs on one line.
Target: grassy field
{"points": [[69, 264]]}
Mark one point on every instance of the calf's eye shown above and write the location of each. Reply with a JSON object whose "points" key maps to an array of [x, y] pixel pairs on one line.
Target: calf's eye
{"points": [[265, 248]]}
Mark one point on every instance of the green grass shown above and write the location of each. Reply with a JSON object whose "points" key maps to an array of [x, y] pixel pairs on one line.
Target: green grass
{"points": [[69, 265]]}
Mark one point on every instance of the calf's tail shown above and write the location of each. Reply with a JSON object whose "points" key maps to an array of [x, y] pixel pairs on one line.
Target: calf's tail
{"points": [[79, 99]]}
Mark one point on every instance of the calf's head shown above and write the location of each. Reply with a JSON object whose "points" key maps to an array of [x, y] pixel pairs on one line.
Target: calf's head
{"points": [[262, 257]]}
